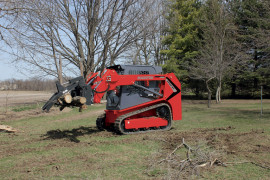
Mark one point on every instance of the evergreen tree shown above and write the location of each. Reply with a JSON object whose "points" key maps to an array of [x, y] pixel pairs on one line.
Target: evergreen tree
{"points": [[182, 38], [253, 20]]}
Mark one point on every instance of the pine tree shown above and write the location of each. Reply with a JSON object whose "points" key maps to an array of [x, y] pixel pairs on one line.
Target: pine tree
{"points": [[182, 37], [253, 20]]}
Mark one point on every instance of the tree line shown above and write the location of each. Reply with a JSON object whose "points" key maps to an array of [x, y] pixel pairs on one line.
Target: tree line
{"points": [[32, 84], [221, 46], [215, 46]]}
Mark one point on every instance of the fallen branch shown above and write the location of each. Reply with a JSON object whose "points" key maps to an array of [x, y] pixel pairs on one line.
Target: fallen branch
{"points": [[176, 149], [186, 145], [203, 165], [195, 159], [170, 155]]}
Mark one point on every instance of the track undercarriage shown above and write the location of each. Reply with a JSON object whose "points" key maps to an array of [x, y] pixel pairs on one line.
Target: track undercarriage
{"points": [[161, 120]]}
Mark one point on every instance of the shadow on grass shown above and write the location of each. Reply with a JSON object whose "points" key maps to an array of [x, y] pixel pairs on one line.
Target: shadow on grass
{"points": [[70, 134]]}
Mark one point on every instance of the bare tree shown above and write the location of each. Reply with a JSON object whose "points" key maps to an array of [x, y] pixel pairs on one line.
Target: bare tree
{"points": [[205, 69], [147, 49], [9, 11], [219, 50], [87, 34]]}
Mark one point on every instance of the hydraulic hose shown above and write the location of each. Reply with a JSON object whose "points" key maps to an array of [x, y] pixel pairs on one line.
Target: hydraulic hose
{"points": [[102, 91]]}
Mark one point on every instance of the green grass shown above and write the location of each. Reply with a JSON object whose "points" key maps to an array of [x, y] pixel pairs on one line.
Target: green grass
{"points": [[67, 145], [239, 171], [241, 116], [25, 107]]}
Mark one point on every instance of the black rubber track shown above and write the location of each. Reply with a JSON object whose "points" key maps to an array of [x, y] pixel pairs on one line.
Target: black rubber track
{"points": [[100, 122]]}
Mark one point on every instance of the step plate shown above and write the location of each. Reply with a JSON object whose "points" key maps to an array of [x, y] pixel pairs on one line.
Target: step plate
{"points": [[145, 123]]}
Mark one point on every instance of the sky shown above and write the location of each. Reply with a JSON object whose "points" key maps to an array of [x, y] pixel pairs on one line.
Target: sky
{"points": [[8, 70]]}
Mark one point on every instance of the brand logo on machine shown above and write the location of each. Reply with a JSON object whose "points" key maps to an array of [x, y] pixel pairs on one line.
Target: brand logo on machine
{"points": [[145, 77], [109, 78]]}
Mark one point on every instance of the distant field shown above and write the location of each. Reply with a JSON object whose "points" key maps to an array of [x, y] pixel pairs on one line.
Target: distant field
{"points": [[9, 98], [67, 145]]}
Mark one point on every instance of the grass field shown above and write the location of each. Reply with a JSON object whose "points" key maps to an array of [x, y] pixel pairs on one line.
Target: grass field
{"points": [[67, 145]]}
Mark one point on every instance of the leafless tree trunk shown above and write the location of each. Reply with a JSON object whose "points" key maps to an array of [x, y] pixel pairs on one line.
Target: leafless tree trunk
{"points": [[209, 93], [60, 71], [218, 91]]}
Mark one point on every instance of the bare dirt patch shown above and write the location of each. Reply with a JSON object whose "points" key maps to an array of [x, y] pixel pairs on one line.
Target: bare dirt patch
{"points": [[251, 147], [246, 143]]}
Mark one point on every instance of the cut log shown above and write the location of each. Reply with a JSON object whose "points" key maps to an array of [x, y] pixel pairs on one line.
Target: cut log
{"points": [[7, 128], [66, 98], [79, 100]]}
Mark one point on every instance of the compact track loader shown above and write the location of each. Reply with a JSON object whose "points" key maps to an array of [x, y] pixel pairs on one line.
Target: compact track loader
{"points": [[139, 98]]}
